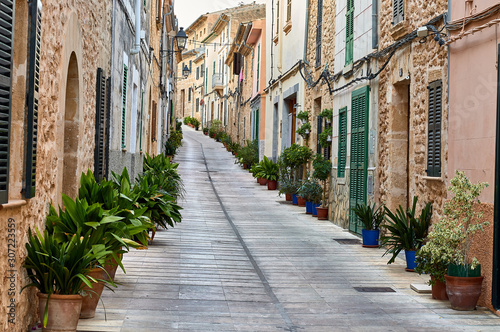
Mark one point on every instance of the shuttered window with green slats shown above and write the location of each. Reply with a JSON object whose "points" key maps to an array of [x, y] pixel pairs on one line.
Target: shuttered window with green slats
{"points": [[124, 106], [342, 156], [6, 43], [349, 28], [359, 154], [100, 116], [33, 87], [434, 129], [398, 11]]}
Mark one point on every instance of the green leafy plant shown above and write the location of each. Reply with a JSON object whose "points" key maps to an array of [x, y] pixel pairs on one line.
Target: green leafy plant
{"points": [[215, 129], [187, 120], [370, 216], [249, 154], [61, 268], [256, 170], [294, 157], [427, 262], [304, 130], [269, 169], [178, 125], [407, 231], [205, 130], [310, 190], [325, 137], [451, 238], [322, 169], [304, 115], [164, 174], [327, 113]]}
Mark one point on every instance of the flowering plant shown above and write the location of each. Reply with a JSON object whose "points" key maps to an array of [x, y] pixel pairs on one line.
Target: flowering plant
{"points": [[451, 238]]}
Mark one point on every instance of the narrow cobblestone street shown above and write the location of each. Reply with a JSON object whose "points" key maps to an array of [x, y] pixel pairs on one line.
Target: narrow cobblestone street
{"points": [[241, 260]]}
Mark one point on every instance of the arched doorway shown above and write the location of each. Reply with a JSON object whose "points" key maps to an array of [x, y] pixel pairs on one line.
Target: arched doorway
{"points": [[71, 132]]}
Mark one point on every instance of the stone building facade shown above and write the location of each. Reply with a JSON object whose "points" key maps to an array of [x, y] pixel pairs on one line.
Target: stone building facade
{"points": [[47, 160]]}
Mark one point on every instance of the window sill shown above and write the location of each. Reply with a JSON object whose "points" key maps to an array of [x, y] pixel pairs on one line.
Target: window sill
{"points": [[433, 178], [341, 181], [124, 150], [13, 204], [400, 30], [287, 27], [275, 39]]}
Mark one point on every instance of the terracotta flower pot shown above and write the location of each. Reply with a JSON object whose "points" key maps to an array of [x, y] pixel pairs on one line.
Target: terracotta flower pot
{"points": [[301, 201], [262, 181], [91, 299], [463, 292], [439, 290], [272, 184], [288, 197], [322, 213], [64, 311]]}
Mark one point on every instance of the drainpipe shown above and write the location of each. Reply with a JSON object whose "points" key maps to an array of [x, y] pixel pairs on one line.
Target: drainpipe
{"points": [[307, 32], [375, 24], [137, 44]]}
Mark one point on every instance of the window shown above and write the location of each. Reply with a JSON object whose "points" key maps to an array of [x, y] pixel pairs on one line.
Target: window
{"points": [[277, 17], [154, 124], [319, 32], [214, 68], [190, 66], [197, 105], [342, 157], [189, 94], [289, 10], [197, 73], [349, 28], [398, 11], [202, 71], [434, 131], [124, 106], [33, 75], [100, 115]]}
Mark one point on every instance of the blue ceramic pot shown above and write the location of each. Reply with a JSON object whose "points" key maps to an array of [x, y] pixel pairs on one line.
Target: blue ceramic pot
{"points": [[295, 201], [410, 260], [370, 237], [315, 212], [309, 207]]}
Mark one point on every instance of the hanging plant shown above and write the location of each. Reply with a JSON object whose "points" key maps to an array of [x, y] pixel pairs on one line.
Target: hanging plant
{"points": [[304, 130], [303, 115], [327, 114], [325, 138]]}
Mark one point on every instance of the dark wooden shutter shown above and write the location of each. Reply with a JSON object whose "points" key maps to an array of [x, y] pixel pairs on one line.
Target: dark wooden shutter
{"points": [[349, 28], [153, 123], [124, 106], [289, 10], [342, 157], [359, 154], [319, 29], [6, 47], [319, 129], [398, 11], [434, 132], [100, 116], [33, 87], [106, 132]]}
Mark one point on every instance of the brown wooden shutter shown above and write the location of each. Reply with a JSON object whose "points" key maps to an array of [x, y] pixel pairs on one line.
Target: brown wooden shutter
{"points": [[100, 117], [33, 87], [434, 129], [6, 43], [153, 123]]}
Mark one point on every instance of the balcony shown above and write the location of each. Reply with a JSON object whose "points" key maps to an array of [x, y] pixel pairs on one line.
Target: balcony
{"points": [[217, 84]]}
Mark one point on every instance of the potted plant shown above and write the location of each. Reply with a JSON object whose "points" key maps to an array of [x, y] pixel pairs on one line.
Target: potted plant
{"points": [[406, 232], [304, 116], [60, 270], [289, 187], [428, 260], [248, 155], [311, 192], [270, 171], [294, 158], [256, 171], [322, 169], [371, 218], [451, 239], [205, 130], [304, 130]]}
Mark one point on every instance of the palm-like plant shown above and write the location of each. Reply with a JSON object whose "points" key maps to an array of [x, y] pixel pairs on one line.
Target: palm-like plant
{"points": [[370, 216], [270, 170]]}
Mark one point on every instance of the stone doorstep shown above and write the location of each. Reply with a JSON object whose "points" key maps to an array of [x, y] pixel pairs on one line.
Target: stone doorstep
{"points": [[421, 288]]}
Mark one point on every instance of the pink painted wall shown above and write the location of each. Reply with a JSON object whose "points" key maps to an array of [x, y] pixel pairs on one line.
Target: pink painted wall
{"points": [[473, 97]]}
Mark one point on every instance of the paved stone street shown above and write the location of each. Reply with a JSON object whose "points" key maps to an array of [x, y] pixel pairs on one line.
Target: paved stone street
{"points": [[242, 260]]}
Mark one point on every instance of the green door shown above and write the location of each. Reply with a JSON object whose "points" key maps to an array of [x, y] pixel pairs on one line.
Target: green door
{"points": [[359, 154]]}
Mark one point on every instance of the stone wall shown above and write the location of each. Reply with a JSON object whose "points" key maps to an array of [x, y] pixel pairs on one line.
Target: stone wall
{"points": [[403, 110], [81, 28]]}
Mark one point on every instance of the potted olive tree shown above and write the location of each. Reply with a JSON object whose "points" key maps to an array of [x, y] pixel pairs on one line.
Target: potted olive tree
{"points": [[451, 239], [371, 218], [406, 231], [322, 168], [311, 192]]}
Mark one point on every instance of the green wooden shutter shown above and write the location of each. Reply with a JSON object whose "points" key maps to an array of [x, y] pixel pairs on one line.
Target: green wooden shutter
{"points": [[124, 105], [398, 11], [359, 154], [6, 48], [100, 109], [349, 28], [319, 129], [342, 156], [434, 132], [140, 127], [35, 19], [106, 132], [319, 29]]}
